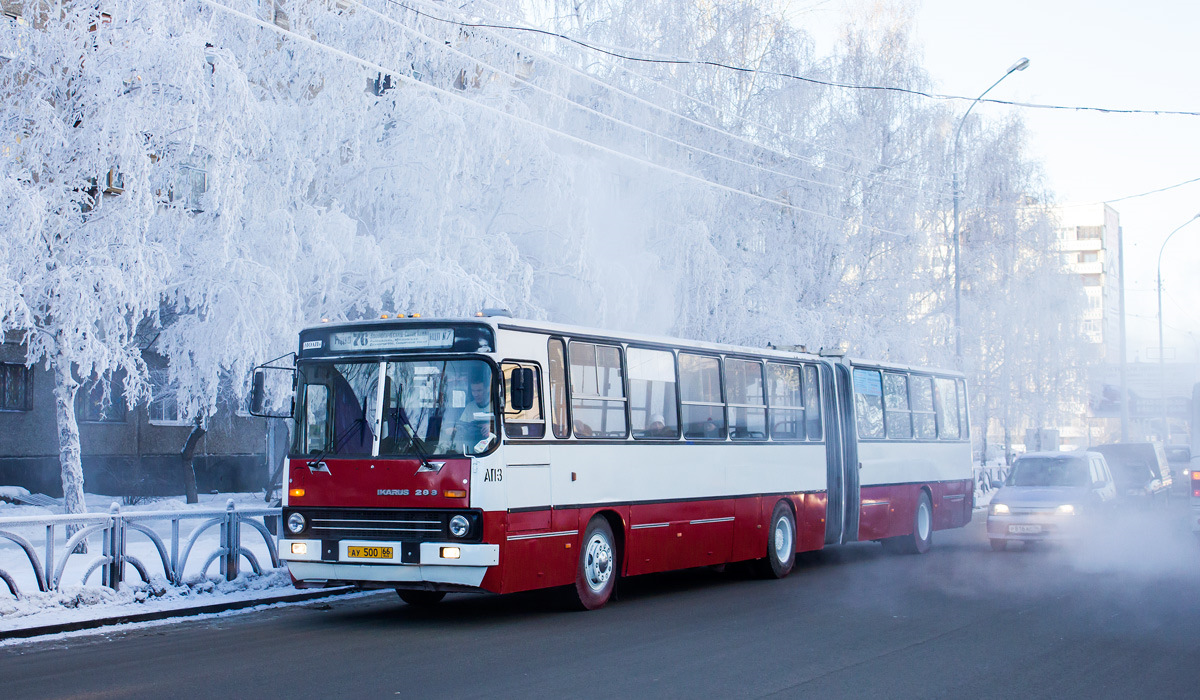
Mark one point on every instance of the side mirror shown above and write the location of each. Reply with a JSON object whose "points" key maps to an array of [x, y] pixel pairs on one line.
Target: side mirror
{"points": [[279, 387], [521, 390]]}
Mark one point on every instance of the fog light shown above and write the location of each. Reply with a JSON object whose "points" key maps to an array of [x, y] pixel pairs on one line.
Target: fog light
{"points": [[451, 553], [296, 523], [299, 548], [460, 526]]}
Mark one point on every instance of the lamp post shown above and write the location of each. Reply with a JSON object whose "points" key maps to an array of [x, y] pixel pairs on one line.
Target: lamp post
{"points": [[1162, 367], [1019, 65]]}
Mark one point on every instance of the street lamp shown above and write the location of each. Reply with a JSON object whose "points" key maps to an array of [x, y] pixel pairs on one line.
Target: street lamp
{"points": [[1019, 65], [1162, 368]]}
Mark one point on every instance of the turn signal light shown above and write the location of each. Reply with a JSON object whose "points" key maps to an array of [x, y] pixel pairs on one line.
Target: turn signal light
{"points": [[454, 494], [1196, 476], [451, 552], [295, 493]]}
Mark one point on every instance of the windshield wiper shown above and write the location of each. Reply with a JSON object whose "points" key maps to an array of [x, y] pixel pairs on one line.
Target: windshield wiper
{"points": [[413, 440]]}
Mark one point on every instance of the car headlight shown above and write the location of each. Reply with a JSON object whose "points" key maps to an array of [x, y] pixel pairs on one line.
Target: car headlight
{"points": [[999, 509], [296, 523], [460, 526], [1065, 509]]}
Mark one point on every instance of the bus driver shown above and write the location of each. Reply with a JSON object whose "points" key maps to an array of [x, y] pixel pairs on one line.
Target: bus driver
{"points": [[472, 430]]}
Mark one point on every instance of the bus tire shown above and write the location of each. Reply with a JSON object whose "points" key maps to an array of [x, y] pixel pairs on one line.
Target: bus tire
{"points": [[421, 599], [781, 544], [921, 538], [596, 574]]}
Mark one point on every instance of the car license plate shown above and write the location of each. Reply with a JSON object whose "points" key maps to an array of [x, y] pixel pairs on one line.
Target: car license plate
{"points": [[1024, 529], [369, 552]]}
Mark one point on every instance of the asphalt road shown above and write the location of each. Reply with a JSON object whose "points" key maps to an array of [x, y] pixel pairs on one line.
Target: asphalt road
{"points": [[1118, 617]]}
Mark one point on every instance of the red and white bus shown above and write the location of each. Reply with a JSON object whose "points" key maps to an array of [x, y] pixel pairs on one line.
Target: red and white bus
{"points": [[502, 455]]}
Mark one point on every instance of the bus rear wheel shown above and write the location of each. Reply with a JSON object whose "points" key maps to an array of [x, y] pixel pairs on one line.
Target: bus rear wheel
{"points": [[596, 574], [922, 530], [421, 599], [781, 544]]}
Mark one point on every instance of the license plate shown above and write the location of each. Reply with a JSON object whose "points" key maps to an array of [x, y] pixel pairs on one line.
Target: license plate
{"points": [[1025, 529], [369, 552]]}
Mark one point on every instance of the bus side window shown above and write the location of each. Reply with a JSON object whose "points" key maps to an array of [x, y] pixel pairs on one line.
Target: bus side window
{"points": [[812, 401], [597, 391], [921, 394], [652, 409], [744, 393], [524, 424], [558, 389], [787, 402], [945, 401], [964, 423], [868, 402], [700, 394], [895, 400]]}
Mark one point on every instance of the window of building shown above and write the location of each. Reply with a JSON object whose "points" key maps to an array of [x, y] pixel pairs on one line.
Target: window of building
{"points": [[700, 394], [786, 394], [597, 391], [1088, 256], [16, 387], [164, 406], [895, 401], [100, 402], [1091, 280], [652, 399], [747, 409], [868, 403], [1088, 233], [524, 424], [558, 388]]}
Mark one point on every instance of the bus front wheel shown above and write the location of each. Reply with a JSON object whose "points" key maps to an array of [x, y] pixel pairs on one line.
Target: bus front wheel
{"points": [[421, 599], [596, 574]]}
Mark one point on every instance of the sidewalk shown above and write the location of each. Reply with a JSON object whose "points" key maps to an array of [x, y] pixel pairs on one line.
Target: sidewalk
{"points": [[38, 625]]}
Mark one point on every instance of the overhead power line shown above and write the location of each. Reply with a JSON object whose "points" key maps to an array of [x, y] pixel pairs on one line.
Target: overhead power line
{"points": [[521, 120], [627, 54]]}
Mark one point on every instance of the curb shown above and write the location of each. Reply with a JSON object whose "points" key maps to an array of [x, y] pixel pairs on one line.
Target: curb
{"points": [[177, 612]]}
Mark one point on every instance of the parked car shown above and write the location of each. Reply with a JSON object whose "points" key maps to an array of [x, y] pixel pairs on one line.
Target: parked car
{"points": [[1050, 496], [1141, 470], [1180, 459]]}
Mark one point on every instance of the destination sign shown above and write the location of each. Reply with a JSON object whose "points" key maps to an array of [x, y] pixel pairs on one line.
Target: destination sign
{"points": [[392, 339]]}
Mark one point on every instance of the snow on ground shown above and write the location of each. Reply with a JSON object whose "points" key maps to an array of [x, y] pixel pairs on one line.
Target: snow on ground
{"points": [[79, 600]]}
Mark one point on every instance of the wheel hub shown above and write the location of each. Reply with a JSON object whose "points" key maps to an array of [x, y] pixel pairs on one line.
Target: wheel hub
{"points": [[598, 563]]}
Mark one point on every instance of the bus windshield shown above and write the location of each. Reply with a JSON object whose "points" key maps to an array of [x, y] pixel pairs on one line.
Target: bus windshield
{"points": [[426, 407]]}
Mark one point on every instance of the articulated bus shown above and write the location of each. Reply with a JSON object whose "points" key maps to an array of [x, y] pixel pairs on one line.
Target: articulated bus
{"points": [[502, 455]]}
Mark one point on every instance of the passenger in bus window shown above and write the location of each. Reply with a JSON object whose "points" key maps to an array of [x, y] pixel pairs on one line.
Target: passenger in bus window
{"points": [[657, 426], [472, 433]]}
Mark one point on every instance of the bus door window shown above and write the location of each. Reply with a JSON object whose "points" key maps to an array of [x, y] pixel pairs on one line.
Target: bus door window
{"points": [[812, 402], [868, 403], [787, 402], [700, 391], [747, 409], [946, 403], [652, 400], [895, 401], [597, 391], [524, 424], [558, 388], [316, 418], [921, 395]]}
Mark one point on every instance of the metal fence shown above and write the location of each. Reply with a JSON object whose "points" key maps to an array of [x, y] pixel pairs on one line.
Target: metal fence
{"points": [[114, 530], [984, 476]]}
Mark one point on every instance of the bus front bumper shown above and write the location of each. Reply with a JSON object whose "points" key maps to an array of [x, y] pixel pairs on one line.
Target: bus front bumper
{"points": [[435, 562]]}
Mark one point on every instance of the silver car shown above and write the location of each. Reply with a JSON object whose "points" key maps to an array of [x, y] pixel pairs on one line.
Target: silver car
{"points": [[1049, 496]]}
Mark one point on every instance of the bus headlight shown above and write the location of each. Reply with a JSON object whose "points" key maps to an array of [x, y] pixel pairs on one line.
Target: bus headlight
{"points": [[296, 523], [460, 526]]}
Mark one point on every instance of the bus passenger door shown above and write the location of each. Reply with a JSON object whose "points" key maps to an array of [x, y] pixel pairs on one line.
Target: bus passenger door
{"points": [[842, 508]]}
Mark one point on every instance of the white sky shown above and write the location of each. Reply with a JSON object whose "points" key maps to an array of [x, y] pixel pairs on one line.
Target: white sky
{"points": [[1104, 53]]}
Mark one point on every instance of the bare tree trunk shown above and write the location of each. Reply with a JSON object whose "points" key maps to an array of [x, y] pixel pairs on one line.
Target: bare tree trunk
{"points": [[69, 454], [189, 471]]}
